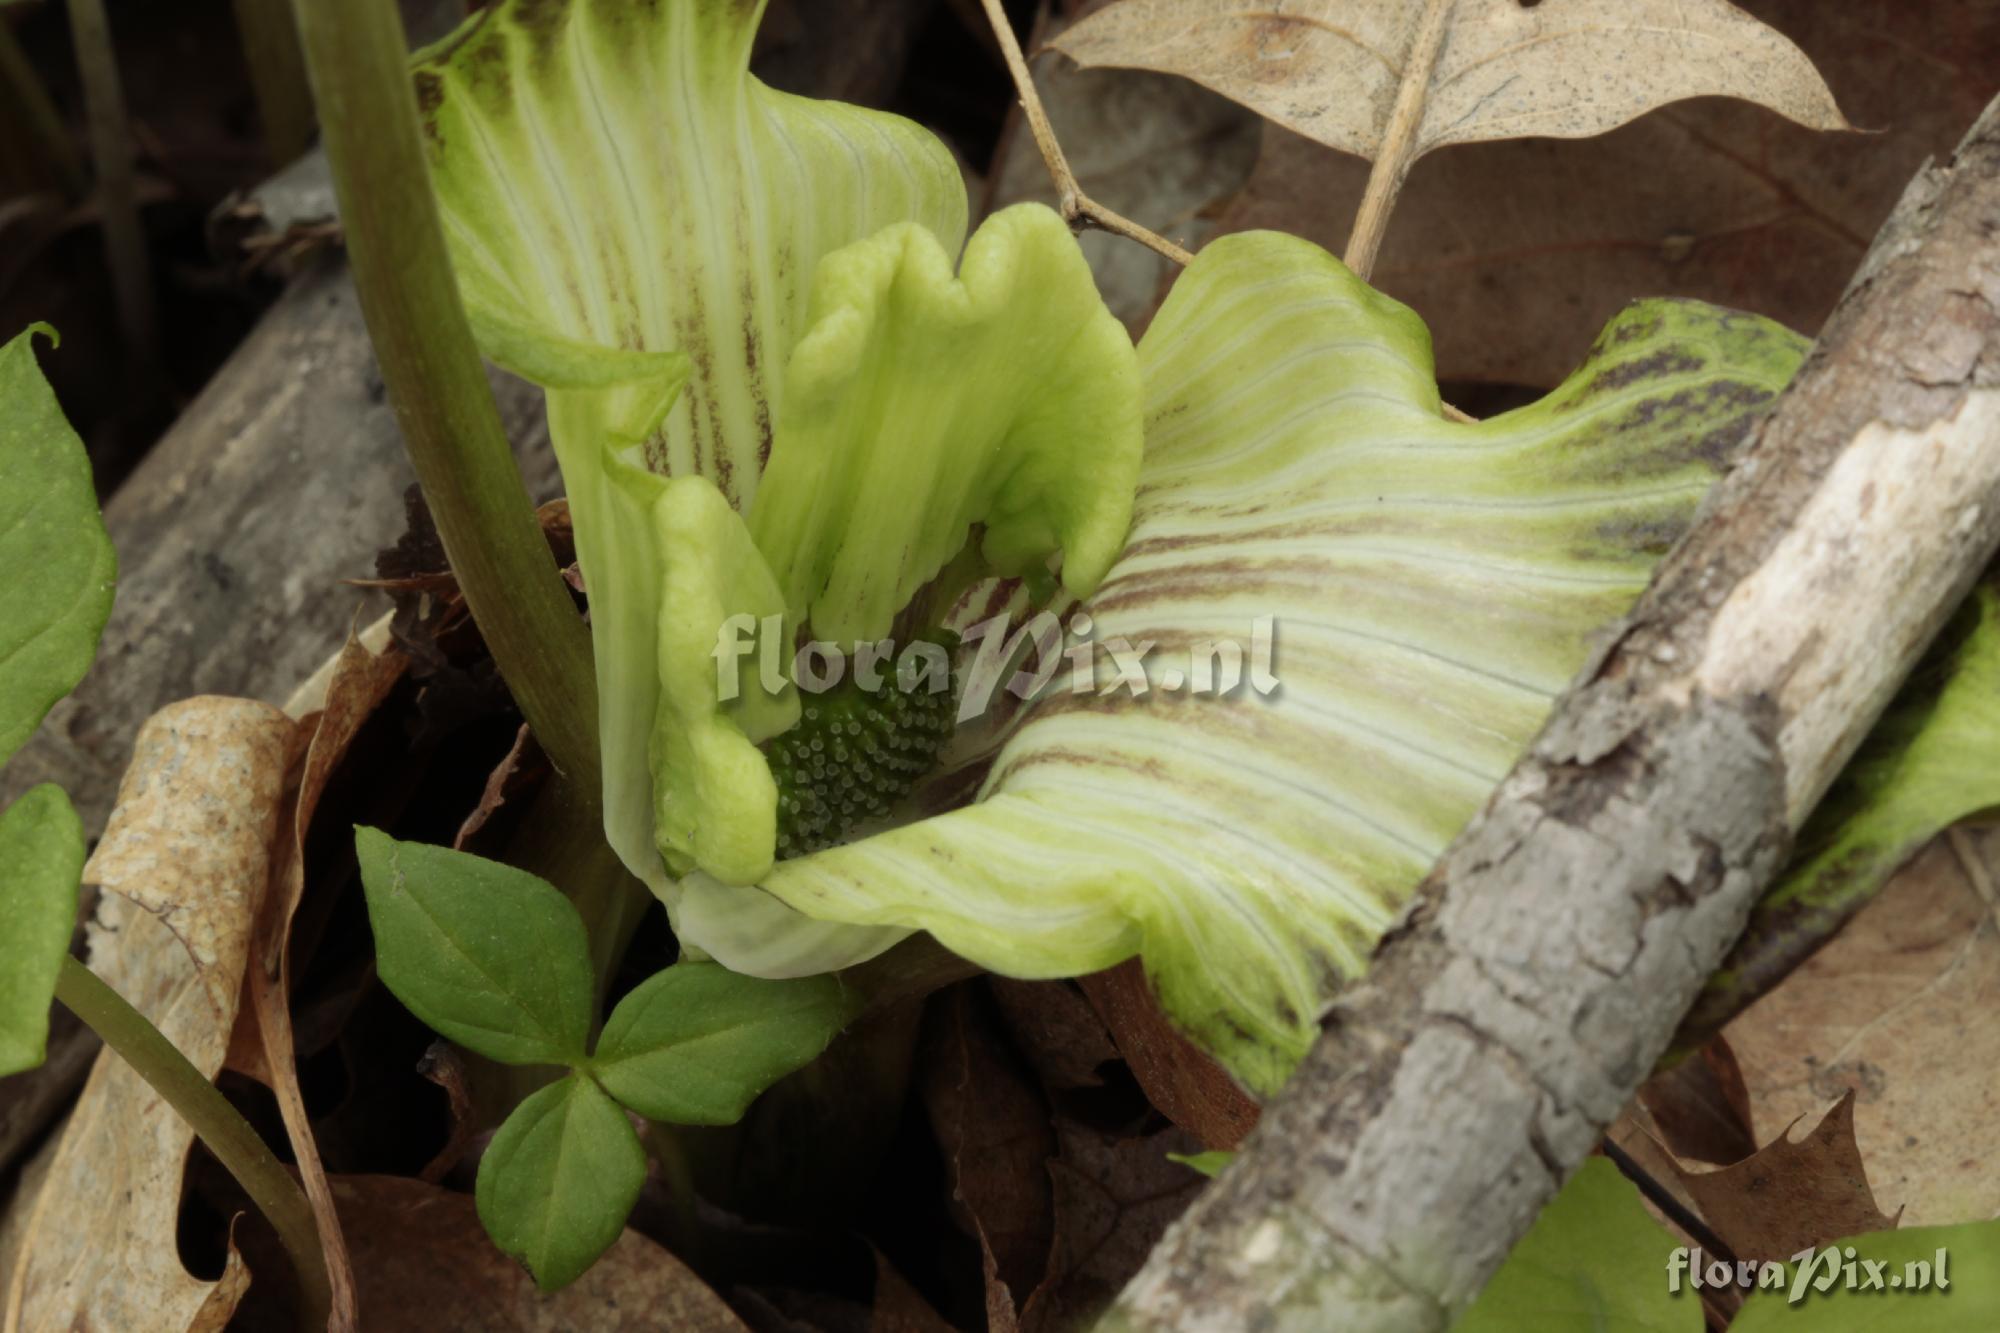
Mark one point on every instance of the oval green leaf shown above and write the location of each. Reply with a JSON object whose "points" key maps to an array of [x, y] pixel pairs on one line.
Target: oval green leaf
{"points": [[492, 957], [1594, 1262], [696, 1044], [41, 864], [57, 594], [559, 1180]]}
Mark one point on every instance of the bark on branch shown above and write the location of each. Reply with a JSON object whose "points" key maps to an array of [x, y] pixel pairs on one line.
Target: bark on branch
{"points": [[1543, 967]]}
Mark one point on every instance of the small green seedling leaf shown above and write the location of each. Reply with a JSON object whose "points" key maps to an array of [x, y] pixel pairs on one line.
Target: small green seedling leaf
{"points": [[696, 1044], [41, 865], [56, 594], [1595, 1260], [559, 1180], [492, 957], [1210, 1164]]}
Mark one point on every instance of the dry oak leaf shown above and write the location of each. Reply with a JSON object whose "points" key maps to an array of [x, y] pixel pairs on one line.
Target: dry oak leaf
{"points": [[1791, 1195], [183, 862], [1899, 1009], [1356, 74]]}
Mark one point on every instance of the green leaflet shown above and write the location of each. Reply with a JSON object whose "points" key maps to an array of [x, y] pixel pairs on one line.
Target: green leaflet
{"points": [[559, 1180], [492, 957], [57, 592], [1210, 1164], [921, 403], [1932, 760], [628, 208], [697, 1043], [41, 866], [1969, 1304], [1594, 1262], [1433, 586], [54, 600]]}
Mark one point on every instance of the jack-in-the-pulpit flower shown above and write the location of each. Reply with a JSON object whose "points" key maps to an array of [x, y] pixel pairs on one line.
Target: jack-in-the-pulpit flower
{"points": [[783, 416]]}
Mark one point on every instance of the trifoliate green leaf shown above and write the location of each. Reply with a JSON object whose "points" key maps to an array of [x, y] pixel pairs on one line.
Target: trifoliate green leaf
{"points": [[920, 403], [559, 1180], [697, 1043], [492, 957], [1937, 1279], [1932, 760], [41, 865], [1421, 590], [56, 593], [1594, 1262]]}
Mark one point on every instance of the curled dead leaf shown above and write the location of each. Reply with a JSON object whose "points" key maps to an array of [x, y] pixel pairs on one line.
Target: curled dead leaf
{"points": [[184, 864], [1179, 1078]]}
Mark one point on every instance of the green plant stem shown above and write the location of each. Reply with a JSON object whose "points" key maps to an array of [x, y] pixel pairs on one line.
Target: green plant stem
{"points": [[668, 1146], [270, 40], [221, 1126], [117, 190], [562, 840], [368, 122], [34, 144]]}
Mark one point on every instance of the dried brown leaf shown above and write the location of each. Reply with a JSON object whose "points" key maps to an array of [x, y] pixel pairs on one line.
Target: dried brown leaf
{"points": [[499, 784], [993, 1128], [425, 1265], [1179, 1078], [1898, 1009], [899, 1307], [184, 863], [1057, 1029], [1791, 1194], [1115, 1198], [1338, 71], [355, 687], [1517, 253], [1701, 1109]]}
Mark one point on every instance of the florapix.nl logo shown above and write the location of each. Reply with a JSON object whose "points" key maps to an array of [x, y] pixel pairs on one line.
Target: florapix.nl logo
{"points": [[1026, 658]]}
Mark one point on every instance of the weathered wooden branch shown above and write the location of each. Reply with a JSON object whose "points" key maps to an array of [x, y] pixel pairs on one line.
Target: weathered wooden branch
{"points": [[1542, 969]]}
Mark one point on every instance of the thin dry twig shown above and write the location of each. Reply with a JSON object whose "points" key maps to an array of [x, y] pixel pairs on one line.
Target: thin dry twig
{"points": [[1078, 209], [1398, 149]]}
